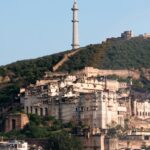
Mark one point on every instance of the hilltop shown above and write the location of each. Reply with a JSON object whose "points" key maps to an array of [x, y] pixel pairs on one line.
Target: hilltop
{"points": [[115, 53], [112, 54]]}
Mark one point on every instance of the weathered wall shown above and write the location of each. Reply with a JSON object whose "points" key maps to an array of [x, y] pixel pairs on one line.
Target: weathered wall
{"points": [[90, 71], [65, 58]]}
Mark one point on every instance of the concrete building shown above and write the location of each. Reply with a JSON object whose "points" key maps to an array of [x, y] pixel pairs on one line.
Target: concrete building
{"points": [[73, 97], [16, 121], [141, 109], [100, 109], [75, 38], [85, 97], [146, 35], [13, 145]]}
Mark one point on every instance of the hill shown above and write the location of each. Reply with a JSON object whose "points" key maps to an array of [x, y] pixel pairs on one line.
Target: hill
{"points": [[112, 54]]}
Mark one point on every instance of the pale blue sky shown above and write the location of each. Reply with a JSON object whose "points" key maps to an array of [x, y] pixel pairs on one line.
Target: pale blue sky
{"points": [[33, 28]]}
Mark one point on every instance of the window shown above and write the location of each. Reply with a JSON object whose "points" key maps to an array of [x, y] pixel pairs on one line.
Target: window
{"points": [[36, 111], [146, 137], [20, 146], [145, 113], [31, 109], [46, 111], [41, 111], [13, 124], [82, 108]]}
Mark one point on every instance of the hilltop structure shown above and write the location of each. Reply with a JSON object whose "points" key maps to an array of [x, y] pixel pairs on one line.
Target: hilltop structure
{"points": [[126, 35], [75, 38]]}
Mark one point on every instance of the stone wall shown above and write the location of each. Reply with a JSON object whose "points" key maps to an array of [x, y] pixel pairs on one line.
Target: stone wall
{"points": [[65, 58], [90, 71], [132, 144]]}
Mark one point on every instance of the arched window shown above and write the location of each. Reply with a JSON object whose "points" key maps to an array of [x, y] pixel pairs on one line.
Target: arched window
{"points": [[145, 113]]}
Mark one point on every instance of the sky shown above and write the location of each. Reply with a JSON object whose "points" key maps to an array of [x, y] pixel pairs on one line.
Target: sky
{"points": [[35, 28]]}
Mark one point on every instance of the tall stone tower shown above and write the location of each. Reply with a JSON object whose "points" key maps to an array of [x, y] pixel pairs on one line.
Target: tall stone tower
{"points": [[75, 38]]}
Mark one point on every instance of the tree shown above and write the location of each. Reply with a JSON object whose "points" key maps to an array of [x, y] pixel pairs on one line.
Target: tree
{"points": [[63, 141]]}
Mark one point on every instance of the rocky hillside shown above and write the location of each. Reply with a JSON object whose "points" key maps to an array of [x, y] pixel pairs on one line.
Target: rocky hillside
{"points": [[112, 54]]}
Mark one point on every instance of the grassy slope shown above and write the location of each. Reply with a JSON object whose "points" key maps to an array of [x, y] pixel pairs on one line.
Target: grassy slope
{"points": [[115, 54]]}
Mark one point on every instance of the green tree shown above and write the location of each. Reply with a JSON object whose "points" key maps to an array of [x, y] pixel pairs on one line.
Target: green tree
{"points": [[64, 141]]}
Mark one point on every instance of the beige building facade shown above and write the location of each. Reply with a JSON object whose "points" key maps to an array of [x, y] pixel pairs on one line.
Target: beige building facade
{"points": [[91, 99], [16, 121]]}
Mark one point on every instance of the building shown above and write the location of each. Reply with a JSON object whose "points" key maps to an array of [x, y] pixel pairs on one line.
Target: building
{"points": [[13, 145], [100, 109], [74, 97], [141, 108], [126, 35], [16, 121], [146, 35], [89, 98]]}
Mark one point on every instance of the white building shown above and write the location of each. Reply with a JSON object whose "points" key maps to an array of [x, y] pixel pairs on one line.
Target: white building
{"points": [[14, 145], [141, 109], [100, 109], [60, 96]]}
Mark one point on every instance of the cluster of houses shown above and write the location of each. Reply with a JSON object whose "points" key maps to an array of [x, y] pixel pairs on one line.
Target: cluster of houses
{"points": [[91, 97], [83, 96]]}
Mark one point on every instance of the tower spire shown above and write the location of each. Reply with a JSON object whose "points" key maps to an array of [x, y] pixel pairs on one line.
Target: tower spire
{"points": [[75, 1], [75, 38]]}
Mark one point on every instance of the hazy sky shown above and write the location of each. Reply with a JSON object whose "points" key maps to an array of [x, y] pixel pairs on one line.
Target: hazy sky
{"points": [[33, 28]]}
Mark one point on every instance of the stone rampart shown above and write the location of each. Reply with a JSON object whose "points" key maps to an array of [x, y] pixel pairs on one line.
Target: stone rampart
{"points": [[65, 59], [90, 71]]}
